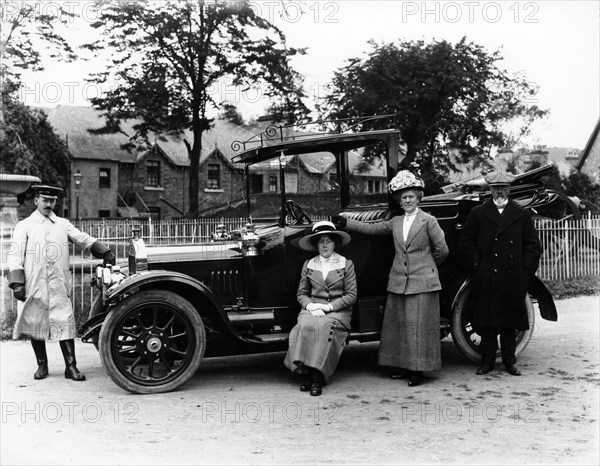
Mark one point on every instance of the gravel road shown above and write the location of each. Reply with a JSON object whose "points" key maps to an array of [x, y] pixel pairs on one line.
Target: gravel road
{"points": [[249, 410]]}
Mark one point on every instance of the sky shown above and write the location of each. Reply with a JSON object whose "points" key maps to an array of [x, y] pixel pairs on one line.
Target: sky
{"points": [[555, 44]]}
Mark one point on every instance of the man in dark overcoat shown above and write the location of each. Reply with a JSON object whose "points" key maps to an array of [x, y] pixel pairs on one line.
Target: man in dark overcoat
{"points": [[500, 244]]}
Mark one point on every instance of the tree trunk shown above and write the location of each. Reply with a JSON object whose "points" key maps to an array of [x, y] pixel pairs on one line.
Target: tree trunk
{"points": [[411, 152], [199, 125], [194, 186]]}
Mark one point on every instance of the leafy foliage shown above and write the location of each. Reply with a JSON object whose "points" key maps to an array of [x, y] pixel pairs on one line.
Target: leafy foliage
{"points": [[28, 143], [31, 146], [585, 188], [585, 285], [169, 60], [25, 28], [231, 113], [444, 98]]}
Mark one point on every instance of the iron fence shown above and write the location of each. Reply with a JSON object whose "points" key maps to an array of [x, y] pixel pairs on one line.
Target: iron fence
{"points": [[571, 248]]}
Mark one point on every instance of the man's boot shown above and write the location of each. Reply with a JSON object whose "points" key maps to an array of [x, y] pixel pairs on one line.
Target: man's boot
{"points": [[39, 348], [68, 350]]}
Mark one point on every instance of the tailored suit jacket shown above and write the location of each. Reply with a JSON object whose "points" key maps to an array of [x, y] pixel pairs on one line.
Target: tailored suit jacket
{"points": [[414, 269], [337, 288]]}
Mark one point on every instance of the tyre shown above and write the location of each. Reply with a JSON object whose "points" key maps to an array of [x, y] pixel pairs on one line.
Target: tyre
{"points": [[152, 342], [467, 340]]}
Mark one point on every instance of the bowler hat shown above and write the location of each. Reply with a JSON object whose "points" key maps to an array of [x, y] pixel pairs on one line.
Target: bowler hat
{"points": [[405, 179], [499, 178], [323, 228], [47, 191]]}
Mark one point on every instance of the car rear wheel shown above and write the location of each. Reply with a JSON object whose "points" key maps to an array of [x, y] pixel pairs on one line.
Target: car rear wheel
{"points": [[468, 341], [152, 342]]}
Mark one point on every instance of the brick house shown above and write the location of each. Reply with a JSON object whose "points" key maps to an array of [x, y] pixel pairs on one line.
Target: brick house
{"points": [[151, 182], [154, 181]]}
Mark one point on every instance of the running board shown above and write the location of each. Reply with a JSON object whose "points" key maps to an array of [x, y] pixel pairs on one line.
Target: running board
{"points": [[272, 337]]}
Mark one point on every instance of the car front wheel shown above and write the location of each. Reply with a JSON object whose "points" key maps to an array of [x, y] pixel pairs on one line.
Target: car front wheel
{"points": [[468, 341], [152, 342]]}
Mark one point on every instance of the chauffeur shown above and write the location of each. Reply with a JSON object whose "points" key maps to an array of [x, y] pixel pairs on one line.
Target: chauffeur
{"points": [[500, 245], [38, 262]]}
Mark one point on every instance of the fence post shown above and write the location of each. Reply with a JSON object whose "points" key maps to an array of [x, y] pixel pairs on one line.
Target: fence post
{"points": [[2, 279], [150, 231], [568, 250]]}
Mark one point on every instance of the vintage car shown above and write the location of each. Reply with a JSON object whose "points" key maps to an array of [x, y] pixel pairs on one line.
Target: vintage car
{"points": [[159, 315]]}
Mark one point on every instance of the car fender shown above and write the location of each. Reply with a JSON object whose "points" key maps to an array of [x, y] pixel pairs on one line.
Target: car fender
{"points": [[189, 288]]}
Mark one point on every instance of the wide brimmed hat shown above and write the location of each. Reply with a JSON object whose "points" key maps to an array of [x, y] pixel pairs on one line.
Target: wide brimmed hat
{"points": [[405, 179], [51, 192], [499, 178], [322, 228]]}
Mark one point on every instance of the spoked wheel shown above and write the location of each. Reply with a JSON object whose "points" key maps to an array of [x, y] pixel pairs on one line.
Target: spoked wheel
{"points": [[468, 341], [152, 342]]}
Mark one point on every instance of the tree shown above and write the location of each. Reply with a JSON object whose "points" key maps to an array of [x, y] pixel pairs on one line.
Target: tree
{"points": [[28, 144], [31, 146], [585, 187], [169, 57], [445, 98], [231, 114]]}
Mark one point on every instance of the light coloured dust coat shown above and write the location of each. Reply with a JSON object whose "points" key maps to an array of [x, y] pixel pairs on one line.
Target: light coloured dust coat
{"points": [[40, 247]]}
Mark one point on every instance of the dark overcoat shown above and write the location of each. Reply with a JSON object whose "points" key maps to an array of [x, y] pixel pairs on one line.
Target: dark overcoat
{"points": [[503, 251]]}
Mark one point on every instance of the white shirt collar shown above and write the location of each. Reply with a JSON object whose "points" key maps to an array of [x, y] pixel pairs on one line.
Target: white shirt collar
{"points": [[407, 216], [333, 258], [333, 263], [500, 205]]}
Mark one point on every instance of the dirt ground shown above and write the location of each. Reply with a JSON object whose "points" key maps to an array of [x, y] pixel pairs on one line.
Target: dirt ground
{"points": [[249, 410]]}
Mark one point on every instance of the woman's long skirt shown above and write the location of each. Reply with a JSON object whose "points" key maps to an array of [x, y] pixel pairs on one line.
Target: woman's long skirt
{"points": [[315, 342], [410, 335]]}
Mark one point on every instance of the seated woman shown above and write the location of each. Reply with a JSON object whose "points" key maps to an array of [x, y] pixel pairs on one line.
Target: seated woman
{"points": [[326, 293]]}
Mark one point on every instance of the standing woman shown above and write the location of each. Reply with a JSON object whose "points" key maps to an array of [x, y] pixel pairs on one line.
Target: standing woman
{"points": [[410, 335], [326, 293]]}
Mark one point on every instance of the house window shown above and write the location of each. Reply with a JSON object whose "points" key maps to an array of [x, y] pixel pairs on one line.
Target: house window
{"points": [[104, 213], [153, 173], [214, 176], [370, 186], [272, 184], [104, 178]]}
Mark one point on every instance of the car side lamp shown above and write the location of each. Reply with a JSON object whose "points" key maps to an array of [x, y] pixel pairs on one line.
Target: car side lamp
{"points": [[107, 276], [250, 241], [220, 233]]}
